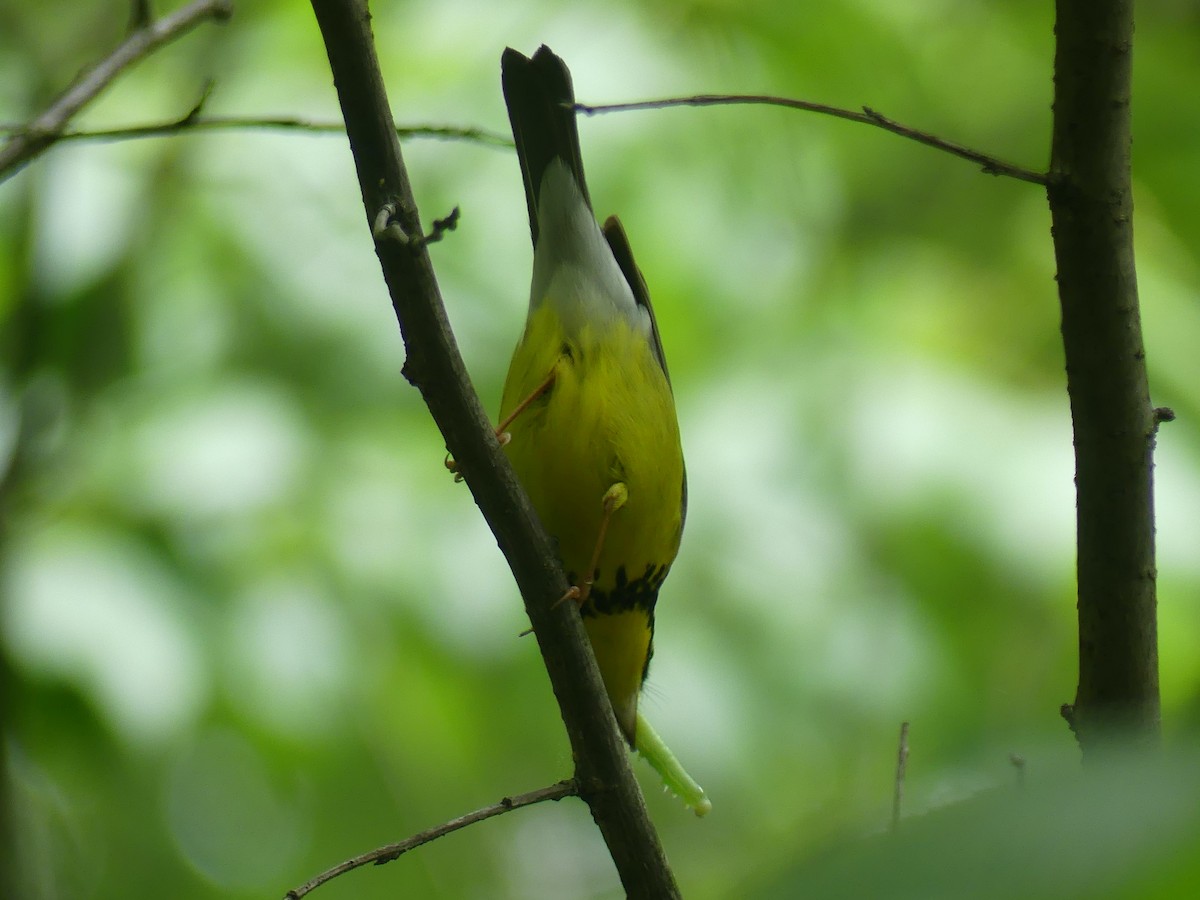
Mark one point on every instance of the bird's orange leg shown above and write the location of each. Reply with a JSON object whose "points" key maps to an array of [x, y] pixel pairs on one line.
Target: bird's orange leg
{"points": [[614, 498], [502, 428], [502, 434]]}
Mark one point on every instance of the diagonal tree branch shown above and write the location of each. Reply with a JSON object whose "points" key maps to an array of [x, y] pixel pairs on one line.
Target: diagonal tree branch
{"points": [[1091, 206], [146, 37], [433, 364], [867, 116], [390, 852]]}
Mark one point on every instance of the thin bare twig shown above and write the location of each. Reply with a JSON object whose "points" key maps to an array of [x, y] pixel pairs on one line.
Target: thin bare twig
{"points": [[1018, 764], [141, 42], [390, 852], [901, 765], [192, 122], [867, 116]]}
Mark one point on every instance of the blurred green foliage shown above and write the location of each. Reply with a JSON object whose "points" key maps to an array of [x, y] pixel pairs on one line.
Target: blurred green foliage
{"points": [[252, 626]]}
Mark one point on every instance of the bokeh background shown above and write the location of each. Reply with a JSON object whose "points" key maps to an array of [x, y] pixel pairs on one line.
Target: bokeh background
{"points": [[251, 626]]}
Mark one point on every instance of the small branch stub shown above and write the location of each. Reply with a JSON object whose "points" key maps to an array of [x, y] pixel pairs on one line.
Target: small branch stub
{"points": [[1163, 414], [385, 227]]}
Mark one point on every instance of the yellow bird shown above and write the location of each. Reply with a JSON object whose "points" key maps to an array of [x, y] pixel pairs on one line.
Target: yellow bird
{"points": [[587, 404]]}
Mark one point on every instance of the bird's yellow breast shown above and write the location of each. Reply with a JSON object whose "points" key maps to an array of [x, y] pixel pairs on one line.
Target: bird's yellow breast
{"points": [[607, 418]]}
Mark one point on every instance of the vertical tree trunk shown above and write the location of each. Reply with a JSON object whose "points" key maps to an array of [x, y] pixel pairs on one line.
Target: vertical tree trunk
{"points": [[1092, 211]]}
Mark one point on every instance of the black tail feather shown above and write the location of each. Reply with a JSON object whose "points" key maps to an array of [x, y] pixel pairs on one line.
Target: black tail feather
{"points": [[541, 103]]}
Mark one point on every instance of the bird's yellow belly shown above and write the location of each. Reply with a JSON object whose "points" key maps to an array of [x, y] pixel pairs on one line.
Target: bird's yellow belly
{"points": [[607, 418]]}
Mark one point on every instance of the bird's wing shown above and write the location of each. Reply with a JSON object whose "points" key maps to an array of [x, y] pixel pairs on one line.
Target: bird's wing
{"points": [[618, 242], [614, 233]]}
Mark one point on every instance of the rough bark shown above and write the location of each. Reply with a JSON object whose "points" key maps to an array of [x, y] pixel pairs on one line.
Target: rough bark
{"points": [[1091, 206]]}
